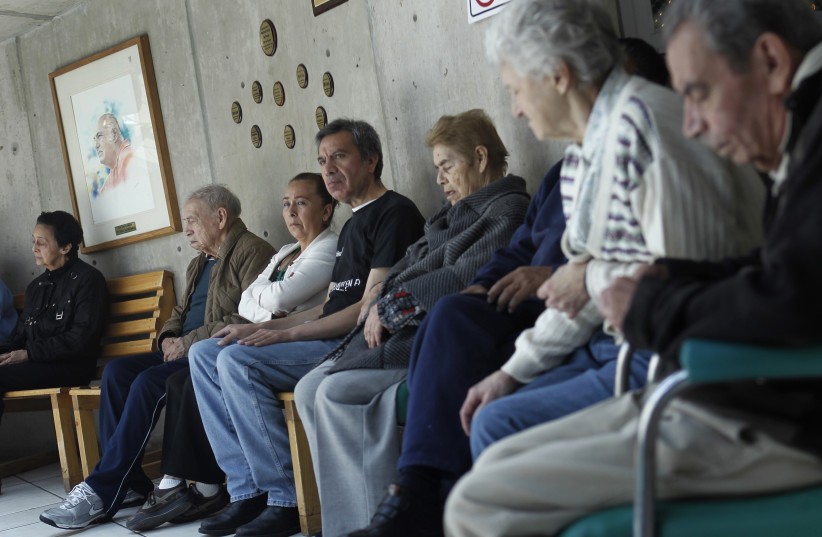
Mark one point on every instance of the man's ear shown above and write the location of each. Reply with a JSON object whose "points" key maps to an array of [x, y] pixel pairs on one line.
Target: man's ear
{"points": [[778, 61], [222, 218], [371, 163]]}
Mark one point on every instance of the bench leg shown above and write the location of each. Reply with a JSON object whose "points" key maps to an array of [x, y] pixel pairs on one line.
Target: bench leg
{"points": [[308, 498], [86, 432], [66, 439]]}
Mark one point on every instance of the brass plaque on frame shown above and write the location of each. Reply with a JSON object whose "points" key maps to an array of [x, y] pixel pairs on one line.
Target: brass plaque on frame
{"points": [[321, 116], [236, 112], [279, 93], [122, 229], [302, 76], [288, 137], [268, 37], [256, 136], [328, 84], [257, 92]]}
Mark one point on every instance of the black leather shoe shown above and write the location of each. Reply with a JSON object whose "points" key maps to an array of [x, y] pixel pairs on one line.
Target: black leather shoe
{"points": [[395, 517], [234, 516], [274, 521], [203, 506]]}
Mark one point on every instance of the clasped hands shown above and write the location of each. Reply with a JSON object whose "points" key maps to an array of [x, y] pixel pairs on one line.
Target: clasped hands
{"points": [[565, 290]]}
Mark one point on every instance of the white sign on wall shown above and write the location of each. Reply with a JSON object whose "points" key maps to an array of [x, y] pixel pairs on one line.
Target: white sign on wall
{"points": [[480, 9]]}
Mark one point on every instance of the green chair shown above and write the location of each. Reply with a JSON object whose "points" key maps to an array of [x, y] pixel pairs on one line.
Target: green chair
{"points": [[795, 514], [402, 403]]}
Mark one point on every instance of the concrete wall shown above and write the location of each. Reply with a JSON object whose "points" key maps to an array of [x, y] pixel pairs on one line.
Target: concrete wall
{"points": [[398, 64]]}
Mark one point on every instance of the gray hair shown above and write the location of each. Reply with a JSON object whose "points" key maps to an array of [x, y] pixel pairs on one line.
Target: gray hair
{"points": [[534, 36], [732, 26], [216, 196], [365, 138]]}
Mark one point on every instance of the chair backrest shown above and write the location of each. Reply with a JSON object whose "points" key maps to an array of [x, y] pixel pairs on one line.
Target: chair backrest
{"points": [[140, 305]]}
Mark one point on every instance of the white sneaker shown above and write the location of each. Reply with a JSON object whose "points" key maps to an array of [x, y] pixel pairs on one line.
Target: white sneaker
{"points": [[82, 507]]}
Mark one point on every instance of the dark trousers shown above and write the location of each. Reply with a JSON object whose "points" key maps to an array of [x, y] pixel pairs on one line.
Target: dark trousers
{"points": [[34, 375], [186, 451], [132, 397], [462, 340]]}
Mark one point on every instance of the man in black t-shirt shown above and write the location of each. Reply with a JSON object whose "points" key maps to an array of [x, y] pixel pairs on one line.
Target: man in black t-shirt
{"points": [[236, 378]]}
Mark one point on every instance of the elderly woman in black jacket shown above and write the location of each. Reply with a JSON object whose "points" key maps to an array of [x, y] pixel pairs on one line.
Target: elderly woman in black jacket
{"points": [[347, 403], [57, 337]]}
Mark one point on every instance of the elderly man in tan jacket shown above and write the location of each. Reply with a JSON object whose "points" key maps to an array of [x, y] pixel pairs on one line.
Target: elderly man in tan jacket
{"points": [[134, 388]]}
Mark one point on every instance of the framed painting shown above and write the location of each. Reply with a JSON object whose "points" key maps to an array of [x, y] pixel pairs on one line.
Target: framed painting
{"points": [[321, 6], [114, 147]]}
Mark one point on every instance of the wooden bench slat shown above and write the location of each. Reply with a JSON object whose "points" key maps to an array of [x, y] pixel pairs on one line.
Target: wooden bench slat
{"points": [[133, 328], [43, 392], [133, 307], [138, 283], [127, 348]]}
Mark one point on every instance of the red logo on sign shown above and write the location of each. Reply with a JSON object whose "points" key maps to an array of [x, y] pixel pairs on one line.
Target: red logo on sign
{"points": [[484, 4]]}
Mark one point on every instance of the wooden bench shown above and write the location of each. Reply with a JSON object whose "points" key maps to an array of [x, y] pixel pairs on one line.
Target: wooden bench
{"points": [[308, 498], [140, 304]]}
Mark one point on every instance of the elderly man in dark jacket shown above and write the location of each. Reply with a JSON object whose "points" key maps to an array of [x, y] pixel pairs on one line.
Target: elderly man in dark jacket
{"points": [[133, 388], [751, 75]]}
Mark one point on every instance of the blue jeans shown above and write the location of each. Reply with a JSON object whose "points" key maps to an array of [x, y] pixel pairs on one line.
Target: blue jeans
{"points": [[235, 387], [585, 379]]}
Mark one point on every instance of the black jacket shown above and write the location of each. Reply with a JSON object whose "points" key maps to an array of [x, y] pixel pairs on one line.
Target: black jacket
{"points": [[771, 298], [63, 316]]}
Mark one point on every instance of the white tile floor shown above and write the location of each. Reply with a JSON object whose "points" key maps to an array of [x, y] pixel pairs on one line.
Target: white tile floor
{"points": [[26, 495]]}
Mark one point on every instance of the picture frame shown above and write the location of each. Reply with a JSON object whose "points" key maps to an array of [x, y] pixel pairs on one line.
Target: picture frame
{"points": [[114, 147], [321, 6]]}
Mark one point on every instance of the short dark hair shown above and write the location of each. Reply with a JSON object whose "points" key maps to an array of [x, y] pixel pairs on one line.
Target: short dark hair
{"points": [[365, 138], [66, 229], [319, 188]]}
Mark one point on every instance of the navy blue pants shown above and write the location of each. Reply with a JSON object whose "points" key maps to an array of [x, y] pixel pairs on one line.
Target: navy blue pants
{"points": [[462, 340], [133, 393]]}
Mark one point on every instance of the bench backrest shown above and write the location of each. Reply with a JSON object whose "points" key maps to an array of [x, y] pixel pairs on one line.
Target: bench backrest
{"points": [[140, 305]]}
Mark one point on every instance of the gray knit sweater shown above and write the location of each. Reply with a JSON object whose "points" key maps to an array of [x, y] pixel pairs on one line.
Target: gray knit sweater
{"points": [[458, 241]]}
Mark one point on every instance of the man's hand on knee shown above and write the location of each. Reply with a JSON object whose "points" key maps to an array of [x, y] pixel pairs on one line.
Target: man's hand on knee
{"points": [[516, 286], [494, 386]]}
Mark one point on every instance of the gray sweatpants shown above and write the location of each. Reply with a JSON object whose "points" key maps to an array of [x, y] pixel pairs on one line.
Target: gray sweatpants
{"points": [[350, 421], [540, 480]]}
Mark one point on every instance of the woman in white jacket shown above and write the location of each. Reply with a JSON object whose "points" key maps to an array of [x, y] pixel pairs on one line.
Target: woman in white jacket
{"points": [[296, 279]]}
